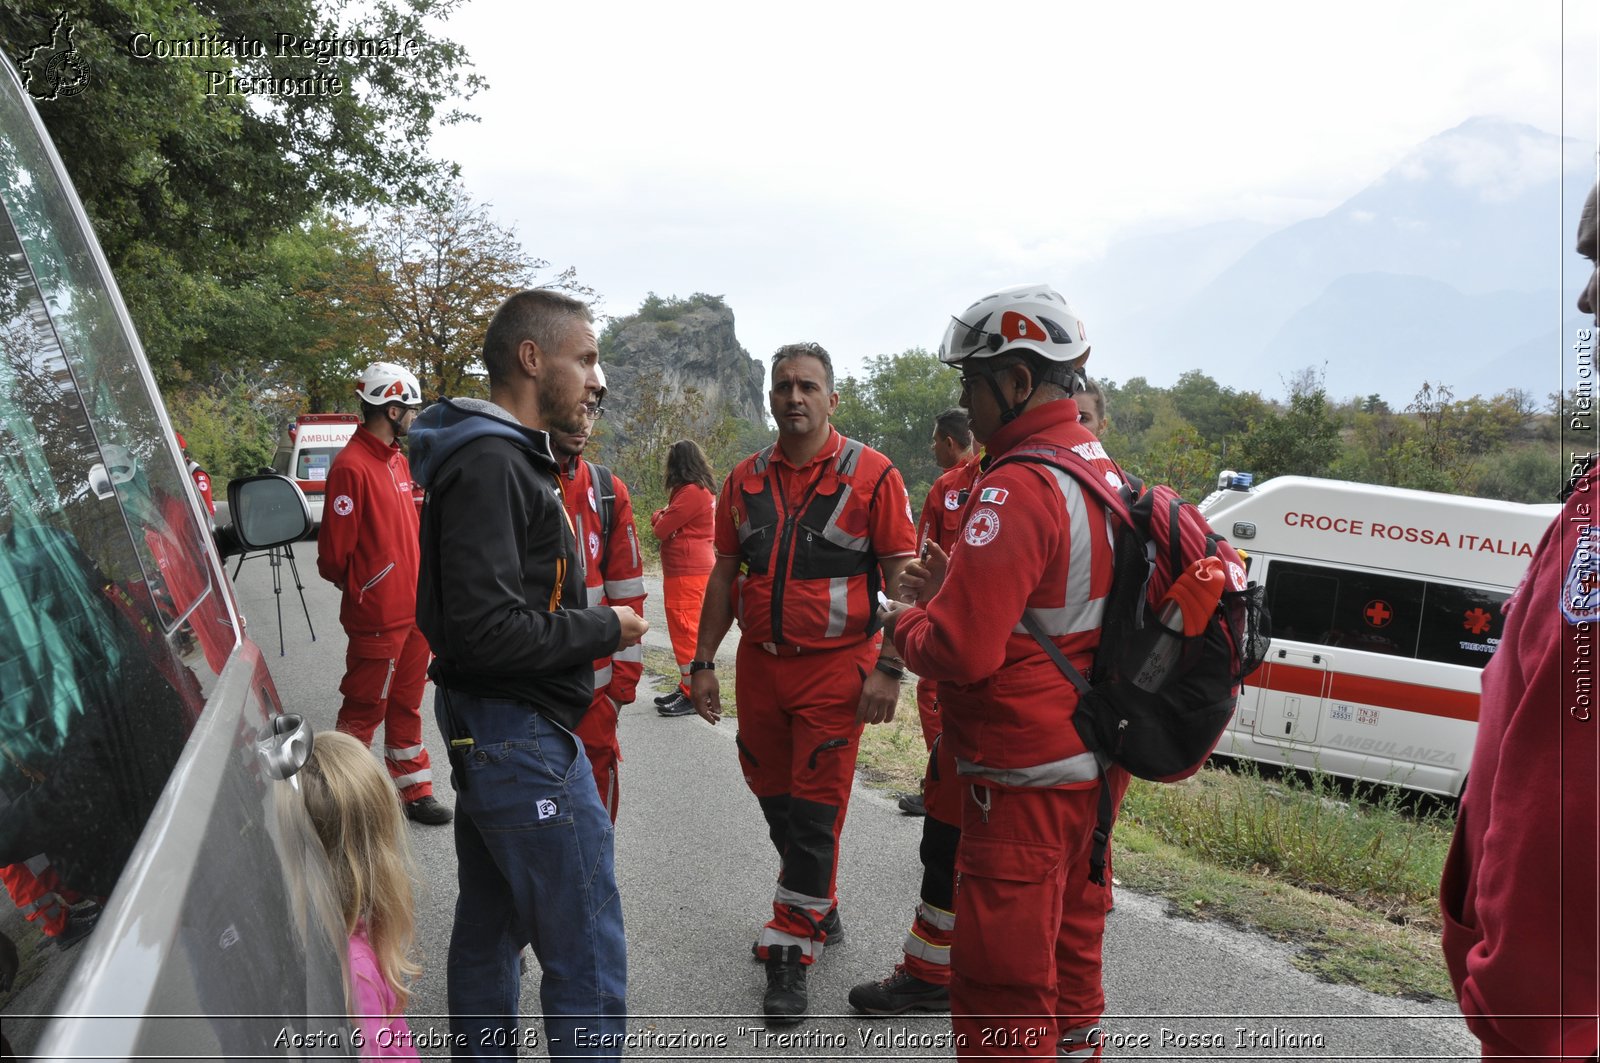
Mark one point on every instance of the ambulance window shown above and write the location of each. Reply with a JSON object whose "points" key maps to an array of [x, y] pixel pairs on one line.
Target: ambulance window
{"points": [[1354, 610], [1301, 599], [315, 462], [1460, 625]]}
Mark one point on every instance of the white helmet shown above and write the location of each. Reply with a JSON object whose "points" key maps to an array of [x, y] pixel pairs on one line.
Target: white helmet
{"points": [[385, 382], [1029, 317], [117, 466]]}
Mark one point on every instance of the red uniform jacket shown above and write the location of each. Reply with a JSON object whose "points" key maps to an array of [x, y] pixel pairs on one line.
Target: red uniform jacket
{"points": [[1520, 892], [684, 527], [613, 570], [1032, 539], [368, 545], [942, 510], [811, 539]]}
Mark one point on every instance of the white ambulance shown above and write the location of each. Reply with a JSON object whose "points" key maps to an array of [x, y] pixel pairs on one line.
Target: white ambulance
{"points": [[308, 449], [1385, 608]]}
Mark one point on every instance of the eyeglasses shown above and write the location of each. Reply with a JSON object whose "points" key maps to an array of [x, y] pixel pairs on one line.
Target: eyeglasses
{"points": [[594, 410]]}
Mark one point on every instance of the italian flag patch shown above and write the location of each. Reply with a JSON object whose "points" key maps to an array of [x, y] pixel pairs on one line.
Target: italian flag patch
{"points": [[997, 495]]}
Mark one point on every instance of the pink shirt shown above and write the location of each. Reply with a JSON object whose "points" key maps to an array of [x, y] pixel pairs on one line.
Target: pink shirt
{"points": [[381, 1038]]}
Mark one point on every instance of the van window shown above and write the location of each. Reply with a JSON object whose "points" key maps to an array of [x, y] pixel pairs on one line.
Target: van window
{"points": [[106, 603], [1384, 613]]}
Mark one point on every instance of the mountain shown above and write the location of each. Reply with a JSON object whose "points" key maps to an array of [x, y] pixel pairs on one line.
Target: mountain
{"points": [[671, 345], [1440, 269]]}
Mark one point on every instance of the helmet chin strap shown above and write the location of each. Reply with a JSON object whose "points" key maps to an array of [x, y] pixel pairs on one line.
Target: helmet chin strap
{"points": [[1007, 413]]}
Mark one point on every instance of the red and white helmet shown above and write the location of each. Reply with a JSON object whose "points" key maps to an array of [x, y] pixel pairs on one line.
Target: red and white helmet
{"points": [[1029, 317], [385, 382]]}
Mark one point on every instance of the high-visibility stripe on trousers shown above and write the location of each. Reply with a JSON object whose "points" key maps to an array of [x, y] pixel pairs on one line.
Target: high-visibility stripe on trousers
{"points": [[797, 745], [383, 681]]}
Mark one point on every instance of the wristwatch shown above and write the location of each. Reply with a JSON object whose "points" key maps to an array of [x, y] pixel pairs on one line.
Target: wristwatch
{"points": [[702, 666]]}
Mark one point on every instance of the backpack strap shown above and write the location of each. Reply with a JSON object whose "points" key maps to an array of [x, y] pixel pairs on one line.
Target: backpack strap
{"points": [[605, 495], [1094, 480]]}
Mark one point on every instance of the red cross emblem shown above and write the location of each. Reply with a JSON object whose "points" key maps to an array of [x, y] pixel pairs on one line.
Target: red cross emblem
{"points": [[1378, 613]]}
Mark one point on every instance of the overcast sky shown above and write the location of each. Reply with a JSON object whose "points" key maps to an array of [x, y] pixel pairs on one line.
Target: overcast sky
{"points": [[853, 173]]}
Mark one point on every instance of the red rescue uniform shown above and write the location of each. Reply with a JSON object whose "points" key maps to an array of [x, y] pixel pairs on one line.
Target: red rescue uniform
{"points": [[1032, 922], [684, 526], [613, 575], [1520, 896], [368, 548], [810, 540]]}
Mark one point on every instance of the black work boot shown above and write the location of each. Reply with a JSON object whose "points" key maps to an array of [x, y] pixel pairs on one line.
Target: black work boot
{"points": [[899, 993], [785, 1002]]}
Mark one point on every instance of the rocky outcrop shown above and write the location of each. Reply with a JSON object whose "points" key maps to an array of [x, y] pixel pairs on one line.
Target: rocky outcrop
{"points": [[671, 346]]}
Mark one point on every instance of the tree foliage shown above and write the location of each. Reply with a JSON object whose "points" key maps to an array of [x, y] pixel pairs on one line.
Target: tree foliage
{"points": [[892, 406], [187, 184], [438, 272]]}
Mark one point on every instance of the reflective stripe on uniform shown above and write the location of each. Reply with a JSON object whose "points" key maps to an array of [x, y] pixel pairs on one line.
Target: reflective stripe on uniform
{"points": [[416, 777], [1081, 613], [1080, 768], [403, 752], [624, 588], [602, 676], [838, 605], [927, 951]]}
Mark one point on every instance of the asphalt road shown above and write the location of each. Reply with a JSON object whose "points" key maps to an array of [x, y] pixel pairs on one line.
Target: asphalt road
{"points": [[696, 873]]}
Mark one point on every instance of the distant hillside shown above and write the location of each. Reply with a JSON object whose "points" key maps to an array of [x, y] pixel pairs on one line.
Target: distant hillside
{"points": [[1448, 267]]}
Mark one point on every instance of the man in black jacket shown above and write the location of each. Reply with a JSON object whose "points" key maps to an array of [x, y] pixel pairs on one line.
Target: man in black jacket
{"points": [[500, 597]]}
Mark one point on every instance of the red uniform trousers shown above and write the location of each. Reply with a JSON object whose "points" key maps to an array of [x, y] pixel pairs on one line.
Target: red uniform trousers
{"points": [[383, 680], [37, 891], [684, 595], [933, 929], [797, 740], [1032, 921], [598, 732]]}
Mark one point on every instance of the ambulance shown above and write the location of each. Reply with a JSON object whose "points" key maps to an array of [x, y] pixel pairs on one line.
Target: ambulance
{"points": [[308, 449], [1385, 607]]}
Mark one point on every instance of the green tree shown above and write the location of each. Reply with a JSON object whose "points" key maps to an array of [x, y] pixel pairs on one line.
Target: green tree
{"points": [[892, 407], [439, 272], [186, 181], [1303, 440]]}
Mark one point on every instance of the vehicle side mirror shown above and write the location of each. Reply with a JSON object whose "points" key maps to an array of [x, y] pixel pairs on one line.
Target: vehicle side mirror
{"points": [[267, 511]]}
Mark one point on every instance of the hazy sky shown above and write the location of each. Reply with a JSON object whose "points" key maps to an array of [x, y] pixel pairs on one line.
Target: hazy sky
{"points": [[853, 173]]}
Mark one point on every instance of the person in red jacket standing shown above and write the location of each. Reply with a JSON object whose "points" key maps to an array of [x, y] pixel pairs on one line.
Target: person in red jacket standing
{"points": [[368, 548], [684, 527], [921, 981], [807, 531], [1026, 963], [601, 512], [1520, 896]]}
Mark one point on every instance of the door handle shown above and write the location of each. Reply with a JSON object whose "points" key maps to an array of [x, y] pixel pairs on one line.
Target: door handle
{"points": [[287, 748]]}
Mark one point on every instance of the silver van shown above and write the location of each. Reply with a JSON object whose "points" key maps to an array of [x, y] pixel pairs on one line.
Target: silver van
{"points": [[164, 894]]}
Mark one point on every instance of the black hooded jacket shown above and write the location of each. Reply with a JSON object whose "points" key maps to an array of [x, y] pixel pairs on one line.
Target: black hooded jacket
{"points": [[500, 593]]}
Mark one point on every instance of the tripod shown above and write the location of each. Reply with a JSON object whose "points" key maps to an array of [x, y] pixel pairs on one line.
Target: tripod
{"points": [[276, 556]]}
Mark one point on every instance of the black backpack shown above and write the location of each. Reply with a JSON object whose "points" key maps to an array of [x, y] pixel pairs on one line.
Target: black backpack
{"points": [[1162, 723]]}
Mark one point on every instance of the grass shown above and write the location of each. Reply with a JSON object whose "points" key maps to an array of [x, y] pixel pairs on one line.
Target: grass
{"points": [[1346, 874]]}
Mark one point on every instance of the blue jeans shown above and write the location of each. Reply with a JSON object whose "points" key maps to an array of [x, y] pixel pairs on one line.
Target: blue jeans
{"points": [[535, 864]]}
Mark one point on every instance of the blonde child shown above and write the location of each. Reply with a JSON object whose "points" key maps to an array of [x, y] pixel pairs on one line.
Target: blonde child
{"points": [[360, 824]]}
